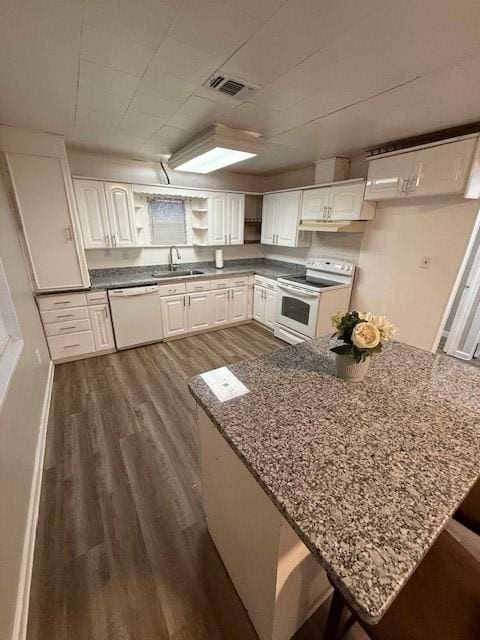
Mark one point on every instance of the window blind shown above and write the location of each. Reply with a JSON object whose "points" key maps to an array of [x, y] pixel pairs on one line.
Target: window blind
{"points": [[167, 219]]}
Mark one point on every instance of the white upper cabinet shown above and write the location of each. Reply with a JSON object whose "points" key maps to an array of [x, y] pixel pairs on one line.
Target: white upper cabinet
{"points": [[346, 201], [46, 205], [121, 214], [315, 204], [235, 217], [107, 214], [226, 218], [217, 219], [442, 169], [437, 170], [280, 220], [92, 211]]}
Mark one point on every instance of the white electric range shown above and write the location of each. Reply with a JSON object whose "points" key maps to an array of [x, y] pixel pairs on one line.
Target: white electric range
{"points": [[306, 303]]}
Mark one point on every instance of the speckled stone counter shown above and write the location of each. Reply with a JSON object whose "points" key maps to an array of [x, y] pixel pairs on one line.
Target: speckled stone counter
{"points": [[117, 278], [366, 473]]}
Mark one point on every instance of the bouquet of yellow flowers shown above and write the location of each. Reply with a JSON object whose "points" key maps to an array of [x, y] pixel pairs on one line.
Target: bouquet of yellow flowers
{"points": [[362, 333]]}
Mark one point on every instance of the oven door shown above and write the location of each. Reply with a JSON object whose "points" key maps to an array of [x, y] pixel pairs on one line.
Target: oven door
{"points": [[297, 309]]}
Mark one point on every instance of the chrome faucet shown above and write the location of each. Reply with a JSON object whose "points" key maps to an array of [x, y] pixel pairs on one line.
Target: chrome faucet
{"points": [[172, 266]]}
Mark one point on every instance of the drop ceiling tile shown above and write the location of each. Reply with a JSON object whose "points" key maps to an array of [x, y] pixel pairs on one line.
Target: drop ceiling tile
{"points": [[213, 26], [184, 61], [187, 122], [90, 97], [217, 97], [95, 122], [153, 151], [169, 136], [106, 79], [247, 116], [166, 86], [296, 31], [139, 125], [13, 106], [113, 51], [154, 105], [143, 21], [260, 10], [196, 106], [125, 144]]}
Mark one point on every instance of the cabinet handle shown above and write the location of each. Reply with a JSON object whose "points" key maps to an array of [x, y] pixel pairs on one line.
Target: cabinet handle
{"points": [[403, 185], [225, 238], [329, 212], [71, 346], [229, 238], [67, 328], [228, 294], [107, 241], [68, 315], [64, 302], [105, 312], [412, 184], [68, 233], [114, 240], [184, 303], [188, 300]]}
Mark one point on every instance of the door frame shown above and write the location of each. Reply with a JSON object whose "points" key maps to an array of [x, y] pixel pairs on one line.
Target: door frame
{"points": [[472, 286]]}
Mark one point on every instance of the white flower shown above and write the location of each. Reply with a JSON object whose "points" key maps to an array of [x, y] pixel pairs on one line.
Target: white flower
{"points": [[337, 319], [386, 328], [365, 335]]}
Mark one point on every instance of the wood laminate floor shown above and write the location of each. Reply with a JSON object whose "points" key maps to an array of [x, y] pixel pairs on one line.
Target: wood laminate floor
{"points": [[122, 549]]}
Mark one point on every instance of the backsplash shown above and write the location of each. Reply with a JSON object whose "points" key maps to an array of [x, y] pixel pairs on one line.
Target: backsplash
{"points": [[344, 246]]}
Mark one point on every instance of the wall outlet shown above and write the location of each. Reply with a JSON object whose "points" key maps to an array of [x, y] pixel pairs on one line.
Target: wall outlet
{"points": [[39, 357], [425, 262]]}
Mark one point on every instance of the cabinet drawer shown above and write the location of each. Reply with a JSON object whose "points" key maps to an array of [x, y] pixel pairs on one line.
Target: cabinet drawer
{"points": [[224, 283], [97, 297], [202, 285], [239, 281], [171, 289], [65, 315], [71, 345], [266, 282], [62, 328], [65, 301]]}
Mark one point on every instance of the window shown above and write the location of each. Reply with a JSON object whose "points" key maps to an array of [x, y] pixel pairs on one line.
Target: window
{"points": [[167, 221], [11, 343]]}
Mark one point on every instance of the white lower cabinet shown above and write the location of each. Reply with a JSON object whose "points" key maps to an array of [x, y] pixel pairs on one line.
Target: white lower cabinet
{"points": [[101, 324], [199, 311], [264, 302], [76, 325], [174, 316], [238, 304], [220, 305]]}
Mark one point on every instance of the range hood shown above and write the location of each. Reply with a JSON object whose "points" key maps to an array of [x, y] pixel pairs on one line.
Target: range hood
{"points": [[348, 226]]}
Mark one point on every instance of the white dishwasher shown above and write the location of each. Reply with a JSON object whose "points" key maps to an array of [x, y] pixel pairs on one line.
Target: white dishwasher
{"points": [[136, 316]]}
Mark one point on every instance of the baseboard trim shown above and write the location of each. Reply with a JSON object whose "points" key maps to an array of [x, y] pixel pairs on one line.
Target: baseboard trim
{"points": [[21, 612]]}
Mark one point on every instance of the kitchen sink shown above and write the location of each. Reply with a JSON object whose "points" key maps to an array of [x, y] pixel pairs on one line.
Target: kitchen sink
{"points": [[177, 274]]}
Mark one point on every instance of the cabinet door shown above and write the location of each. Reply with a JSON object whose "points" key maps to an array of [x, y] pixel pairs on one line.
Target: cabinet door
{"points": [[217, 219], [288, 217], [235, 217], [270, 307], [45, 199], [387, 177], [259, 303], [101, 324], [442, 169], [269, 213], [346, 202], [238, 304], [121, 214], [198, 311], [174, 315], [220, 307], [315, 204], [92, 211]]}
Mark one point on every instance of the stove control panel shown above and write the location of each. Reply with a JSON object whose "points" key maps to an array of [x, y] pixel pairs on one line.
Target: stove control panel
{"points": [[330, 265]]}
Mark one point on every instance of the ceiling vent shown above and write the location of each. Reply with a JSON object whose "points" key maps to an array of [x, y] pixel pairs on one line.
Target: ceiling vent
{"points": [[233, 87]]}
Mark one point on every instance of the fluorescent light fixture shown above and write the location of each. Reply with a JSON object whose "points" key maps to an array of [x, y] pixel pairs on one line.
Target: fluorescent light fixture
{"points": [[217, 147], [214, 159]]}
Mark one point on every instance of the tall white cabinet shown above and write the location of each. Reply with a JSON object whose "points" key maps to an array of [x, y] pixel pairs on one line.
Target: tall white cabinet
{"points": [[280, 220], [107, 214], [46, 205]]}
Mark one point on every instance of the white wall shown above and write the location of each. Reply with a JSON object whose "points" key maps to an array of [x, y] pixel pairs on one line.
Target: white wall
{"points": [[19, 419], [389, 278], [290, 179], [345, 246]]}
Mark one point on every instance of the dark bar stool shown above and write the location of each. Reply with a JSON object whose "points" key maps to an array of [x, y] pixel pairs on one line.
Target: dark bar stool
{"points": [[441, 600], [469, 511]]}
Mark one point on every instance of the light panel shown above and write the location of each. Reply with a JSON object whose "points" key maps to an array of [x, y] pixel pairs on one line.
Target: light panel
{"points": [[214, 159]]}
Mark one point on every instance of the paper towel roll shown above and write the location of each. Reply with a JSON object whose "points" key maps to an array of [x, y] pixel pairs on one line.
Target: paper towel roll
{"points": [[219, 258]]}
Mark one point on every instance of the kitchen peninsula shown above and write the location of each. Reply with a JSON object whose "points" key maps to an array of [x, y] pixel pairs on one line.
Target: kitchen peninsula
{"points": [[364, 475]]}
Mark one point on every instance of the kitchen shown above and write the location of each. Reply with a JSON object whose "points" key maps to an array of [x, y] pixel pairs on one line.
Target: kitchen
{"points": [[181, 217]]}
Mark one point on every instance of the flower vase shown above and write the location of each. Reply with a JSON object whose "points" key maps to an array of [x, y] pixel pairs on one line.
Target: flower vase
{"points": [[350, 370]]}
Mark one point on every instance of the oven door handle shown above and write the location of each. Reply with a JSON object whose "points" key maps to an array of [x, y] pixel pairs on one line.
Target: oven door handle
{"points": [[297, 291]]}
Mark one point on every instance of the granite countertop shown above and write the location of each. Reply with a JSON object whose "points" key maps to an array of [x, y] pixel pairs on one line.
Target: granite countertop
{"points": [[366, 473], [117, 278]]}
